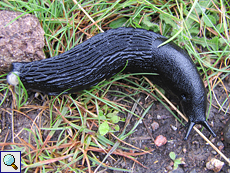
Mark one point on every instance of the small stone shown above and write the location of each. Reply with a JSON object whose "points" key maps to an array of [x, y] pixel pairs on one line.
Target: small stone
{"points": [[215, 165], [173, 127], [155, 125], [160, 140], [36, 94], [162, 117], [159, 117], [220, 145], [214, 152], [169, 168], [184, 150], [213, 140]]}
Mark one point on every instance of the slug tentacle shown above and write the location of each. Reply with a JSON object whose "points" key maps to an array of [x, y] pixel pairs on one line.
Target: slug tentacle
{"points": [[204, 123], [106, 54]]}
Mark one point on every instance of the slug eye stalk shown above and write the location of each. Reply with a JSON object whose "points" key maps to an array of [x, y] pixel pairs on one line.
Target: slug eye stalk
{"points": [[204, 123]]}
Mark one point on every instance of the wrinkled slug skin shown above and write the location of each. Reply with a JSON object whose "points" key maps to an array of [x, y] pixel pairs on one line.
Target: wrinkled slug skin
{"points": [[106, 54]]}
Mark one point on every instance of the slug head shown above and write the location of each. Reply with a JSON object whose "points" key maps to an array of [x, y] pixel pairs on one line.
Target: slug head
{"points": [[194, 106]]}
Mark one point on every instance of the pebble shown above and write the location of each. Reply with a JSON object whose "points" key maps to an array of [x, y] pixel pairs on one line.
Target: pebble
{"points": [[160, 140], [169, 168], [220, 145], [155, 125], [173, 127], [214, 152], [184, 150], [215, 165], [159, 117]]}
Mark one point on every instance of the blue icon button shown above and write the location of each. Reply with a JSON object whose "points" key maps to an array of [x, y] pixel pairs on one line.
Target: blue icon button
{"points": [[10, 161]]}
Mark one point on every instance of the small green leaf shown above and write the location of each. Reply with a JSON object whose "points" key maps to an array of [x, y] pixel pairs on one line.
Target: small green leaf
{"points": [[123, 119], [220, 28], [118, 23], [221, 44], [148, 24], [116, 127], [168, 20], [103, 117], [209, 20], [136, 21], [105, 108], [115, 119], [101, 113], [213, 43], [194, 31], [114, 113], [175, 166], [177, 161], [109, 115], [204, 4], [172, 155], [87, 99], [207, 60], [104, 128], [147, 21], [136, 24]]}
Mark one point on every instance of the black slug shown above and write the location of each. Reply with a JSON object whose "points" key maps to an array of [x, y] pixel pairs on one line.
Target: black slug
{"points": [[106, 54]]}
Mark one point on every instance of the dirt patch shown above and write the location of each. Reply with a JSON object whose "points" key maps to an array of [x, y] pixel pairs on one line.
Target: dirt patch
{"points": [[195, 152]]}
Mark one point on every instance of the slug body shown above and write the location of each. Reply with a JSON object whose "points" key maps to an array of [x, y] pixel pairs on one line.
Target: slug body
{"points": [[106, 54]]}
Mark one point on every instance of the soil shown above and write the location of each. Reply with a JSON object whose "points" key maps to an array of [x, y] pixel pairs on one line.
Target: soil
{"points": [[194, 152]]}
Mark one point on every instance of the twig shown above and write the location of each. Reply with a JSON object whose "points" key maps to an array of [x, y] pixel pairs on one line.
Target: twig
{"points": [[150, 134]]}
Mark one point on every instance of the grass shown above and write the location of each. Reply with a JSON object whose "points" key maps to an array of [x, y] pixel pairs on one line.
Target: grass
{"points": [[81, 125]]}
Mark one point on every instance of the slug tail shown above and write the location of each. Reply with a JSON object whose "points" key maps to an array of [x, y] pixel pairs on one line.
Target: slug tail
{"points": [[12, 77], [190, 126], [205, 124]]}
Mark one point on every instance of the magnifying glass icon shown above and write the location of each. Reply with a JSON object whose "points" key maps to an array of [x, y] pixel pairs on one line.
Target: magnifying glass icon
{"points": [[9, 160]]}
